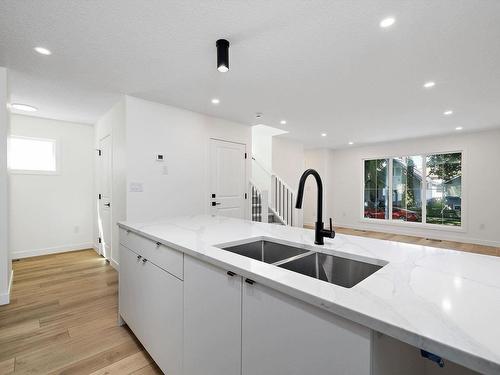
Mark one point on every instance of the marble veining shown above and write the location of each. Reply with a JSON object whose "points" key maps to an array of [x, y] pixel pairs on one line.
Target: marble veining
{"points": [[443, 301]]}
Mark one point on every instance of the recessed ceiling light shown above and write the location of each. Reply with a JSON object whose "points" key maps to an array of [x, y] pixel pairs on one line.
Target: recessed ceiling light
{"points": [[283, 122], [23, 107], [458, 128], [43, 51], [387, 22], [215, 101], [448, 112], [429, 84], [323, 134], [351, 143]]}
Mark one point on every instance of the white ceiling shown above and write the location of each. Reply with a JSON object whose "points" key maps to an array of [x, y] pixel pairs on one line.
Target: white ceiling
{"points": [[324, 66]]}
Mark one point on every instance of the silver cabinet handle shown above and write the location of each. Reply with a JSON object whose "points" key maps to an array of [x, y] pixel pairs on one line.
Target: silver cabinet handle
{"points": [[144, 260], [139, 257]]}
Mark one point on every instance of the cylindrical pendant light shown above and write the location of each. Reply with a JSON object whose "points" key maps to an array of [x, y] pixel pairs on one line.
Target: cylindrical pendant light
{"points": [[222, 55]]}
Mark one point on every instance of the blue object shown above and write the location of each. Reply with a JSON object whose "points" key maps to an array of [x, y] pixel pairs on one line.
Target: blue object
{"points": [[432, 357]]}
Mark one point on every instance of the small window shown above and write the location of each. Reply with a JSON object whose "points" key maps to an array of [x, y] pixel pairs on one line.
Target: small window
{"points": [[32, 155]]}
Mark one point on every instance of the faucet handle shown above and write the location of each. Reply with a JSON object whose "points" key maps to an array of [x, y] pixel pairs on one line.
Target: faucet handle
{"points": [[332, 232]]}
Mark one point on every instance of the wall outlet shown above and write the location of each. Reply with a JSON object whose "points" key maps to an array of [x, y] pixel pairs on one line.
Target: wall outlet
{"points": [[136, 187]]}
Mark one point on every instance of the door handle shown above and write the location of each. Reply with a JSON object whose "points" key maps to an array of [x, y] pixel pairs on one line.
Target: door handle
{"points": [[216, 203], [107, 204]]}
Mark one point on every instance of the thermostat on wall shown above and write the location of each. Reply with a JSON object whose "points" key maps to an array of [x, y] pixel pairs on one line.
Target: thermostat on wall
{"points": [[159, 157]]}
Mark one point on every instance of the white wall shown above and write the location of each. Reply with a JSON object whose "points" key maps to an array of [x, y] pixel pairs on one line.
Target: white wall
{"points": [[183, 138], [481, 179], [316, 159], [288, 160], [53, 213], [5, 263], [113, 123], [262, 146]]}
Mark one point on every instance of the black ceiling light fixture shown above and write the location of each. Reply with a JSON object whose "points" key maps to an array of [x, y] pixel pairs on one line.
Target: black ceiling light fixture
{"points": [[222, 55]]}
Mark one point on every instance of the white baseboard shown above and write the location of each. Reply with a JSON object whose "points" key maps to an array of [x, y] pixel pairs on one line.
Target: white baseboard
{"points": [[114, 264], [436, 235], [5, 297], [50, 250]]}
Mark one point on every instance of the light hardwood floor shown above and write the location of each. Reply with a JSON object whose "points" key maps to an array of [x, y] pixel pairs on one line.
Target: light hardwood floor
{"points": [[63, 320], [471, 248]]}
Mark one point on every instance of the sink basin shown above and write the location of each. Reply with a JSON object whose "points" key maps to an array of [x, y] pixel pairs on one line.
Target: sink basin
{"points": [[266, 251], [333, 269]]}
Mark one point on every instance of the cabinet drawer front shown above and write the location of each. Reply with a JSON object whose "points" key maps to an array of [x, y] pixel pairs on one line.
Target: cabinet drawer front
{"points": [[129, 289], [164, 257]]}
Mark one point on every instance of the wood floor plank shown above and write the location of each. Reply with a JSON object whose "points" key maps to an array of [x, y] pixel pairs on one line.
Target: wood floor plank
{"points": [[53, 357], [7, 366], [127, 365], [33, 341], [101, 359], [19, 329], [151, 369], [95, 326]]}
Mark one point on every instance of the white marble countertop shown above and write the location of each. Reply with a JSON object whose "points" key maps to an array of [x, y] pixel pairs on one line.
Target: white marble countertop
{"points": [[443, 301]]}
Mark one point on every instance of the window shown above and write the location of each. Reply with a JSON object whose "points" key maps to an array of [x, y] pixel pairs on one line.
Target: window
{"points": [[407, 174], [32, 155], [376, 187], [444, 189], [423, 189]]}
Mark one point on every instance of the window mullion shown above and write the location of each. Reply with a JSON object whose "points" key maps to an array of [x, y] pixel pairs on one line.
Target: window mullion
{"points": [[424, 189], [390, 187]]}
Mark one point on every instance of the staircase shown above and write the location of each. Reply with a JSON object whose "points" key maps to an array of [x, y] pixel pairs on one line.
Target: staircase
{"points": [[260, 211], [275, 203]]}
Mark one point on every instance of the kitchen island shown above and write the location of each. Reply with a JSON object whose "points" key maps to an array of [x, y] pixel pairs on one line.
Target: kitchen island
{"points": [[198, 308]]}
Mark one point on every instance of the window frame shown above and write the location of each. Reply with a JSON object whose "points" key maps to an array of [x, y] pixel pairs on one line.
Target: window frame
{"points": [[55, 141], [408, 224]]}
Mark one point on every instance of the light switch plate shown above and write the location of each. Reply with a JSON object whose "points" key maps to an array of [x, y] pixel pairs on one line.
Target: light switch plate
{"points": [[136, 187]]}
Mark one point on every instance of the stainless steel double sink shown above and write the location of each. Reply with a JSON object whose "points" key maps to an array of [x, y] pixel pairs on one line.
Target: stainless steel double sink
{"points": [[326, 267]]}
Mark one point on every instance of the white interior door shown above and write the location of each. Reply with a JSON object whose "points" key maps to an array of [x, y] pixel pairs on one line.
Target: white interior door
{"points": [[104, 183], [227, 178]]}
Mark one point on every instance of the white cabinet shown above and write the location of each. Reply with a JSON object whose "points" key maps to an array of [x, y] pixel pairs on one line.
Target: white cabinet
{"points": [[212, 319], [129, 289], [151, 303], [282, 335]]}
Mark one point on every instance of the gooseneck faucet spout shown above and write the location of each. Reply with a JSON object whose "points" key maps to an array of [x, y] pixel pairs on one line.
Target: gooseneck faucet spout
{"points": [[320, 232]]}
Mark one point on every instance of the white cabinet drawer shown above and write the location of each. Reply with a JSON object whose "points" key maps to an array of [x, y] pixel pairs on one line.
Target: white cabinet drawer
{"points": [[164, 257]]}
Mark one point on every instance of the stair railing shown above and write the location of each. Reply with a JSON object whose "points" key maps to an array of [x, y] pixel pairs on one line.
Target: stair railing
{"points": [[259, 204], [281, 196], [283, 200]]}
